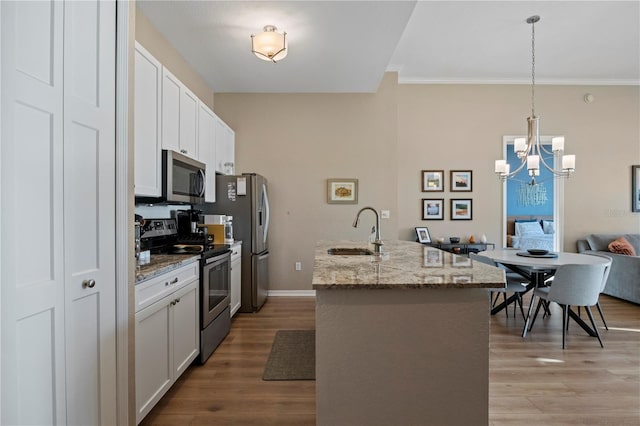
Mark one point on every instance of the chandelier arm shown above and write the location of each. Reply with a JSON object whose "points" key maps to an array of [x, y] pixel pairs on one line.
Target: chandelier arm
{"points": [[543, 149], [553, 170], [523, 163]]}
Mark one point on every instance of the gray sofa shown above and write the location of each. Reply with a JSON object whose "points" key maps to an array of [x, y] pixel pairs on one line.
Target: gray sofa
{"points": [[624, 278]]}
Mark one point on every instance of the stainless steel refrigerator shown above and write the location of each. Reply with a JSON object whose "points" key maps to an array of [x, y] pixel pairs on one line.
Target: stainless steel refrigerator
{"points": [[245, 198]]}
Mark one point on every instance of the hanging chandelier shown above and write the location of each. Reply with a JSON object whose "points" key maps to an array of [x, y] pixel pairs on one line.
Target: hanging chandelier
{"points": [[270, 45], [529, 150]]}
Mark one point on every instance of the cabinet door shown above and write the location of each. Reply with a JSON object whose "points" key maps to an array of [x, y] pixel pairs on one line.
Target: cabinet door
{"points": [[188, 122], [186, 327], [170, 111], [147, 140], [153, 355], [89, 211], [225, 149], [207, 148]]}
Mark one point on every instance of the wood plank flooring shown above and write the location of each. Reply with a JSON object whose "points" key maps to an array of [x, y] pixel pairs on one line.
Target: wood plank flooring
{"points": [[532, 380]]}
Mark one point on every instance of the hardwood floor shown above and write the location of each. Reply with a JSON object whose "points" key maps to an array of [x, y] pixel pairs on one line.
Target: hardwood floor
{"points": [[532, 380]]}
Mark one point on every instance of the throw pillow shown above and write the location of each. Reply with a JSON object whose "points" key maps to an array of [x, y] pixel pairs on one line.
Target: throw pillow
{"points": [[528, 228], [548, 227], [621, 246]]}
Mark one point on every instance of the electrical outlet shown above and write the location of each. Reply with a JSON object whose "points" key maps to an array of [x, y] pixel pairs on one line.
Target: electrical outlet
{"points": [[298, 266], [385, 214]]}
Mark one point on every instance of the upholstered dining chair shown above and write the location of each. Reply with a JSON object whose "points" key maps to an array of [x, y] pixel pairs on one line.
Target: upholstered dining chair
{"points": [[573, 285], [514, 284], [604, 283]]}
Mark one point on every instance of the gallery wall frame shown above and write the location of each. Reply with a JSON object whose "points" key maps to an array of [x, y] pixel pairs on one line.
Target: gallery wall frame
{"points": [[461, 209], [433, 209], [461, 180], [432, 180]]}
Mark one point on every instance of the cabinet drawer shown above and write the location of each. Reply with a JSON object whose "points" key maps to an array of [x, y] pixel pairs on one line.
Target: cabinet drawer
{"points": [[160, 286]]}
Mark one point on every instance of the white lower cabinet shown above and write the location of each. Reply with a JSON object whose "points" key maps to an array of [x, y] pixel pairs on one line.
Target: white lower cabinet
{"points": [[236, 276], [167, 337]]}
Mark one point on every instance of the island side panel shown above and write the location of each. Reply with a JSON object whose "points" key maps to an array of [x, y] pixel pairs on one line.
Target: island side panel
{"points": [[405, 356]]}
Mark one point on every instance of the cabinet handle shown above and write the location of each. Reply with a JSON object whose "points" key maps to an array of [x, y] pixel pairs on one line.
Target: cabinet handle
{"points": [[173, 302], [166, 284], [178, 300], [175, 280], [88, 283]]}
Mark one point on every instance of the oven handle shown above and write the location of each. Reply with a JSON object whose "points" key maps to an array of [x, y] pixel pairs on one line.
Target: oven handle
{"points": [[217, 258]]}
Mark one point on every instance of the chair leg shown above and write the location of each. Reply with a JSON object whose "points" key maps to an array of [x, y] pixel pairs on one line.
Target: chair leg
{"points": [[565, 320], [521, 309], [593, 324], [506, 308], [602, 315], [526, 323]]}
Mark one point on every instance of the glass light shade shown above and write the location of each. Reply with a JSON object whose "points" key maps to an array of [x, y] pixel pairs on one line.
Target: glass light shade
{"points": [[507, 169], [500, 166], [533, 162], [557, 144], [519, 145], [270, 45], [568, 162]]}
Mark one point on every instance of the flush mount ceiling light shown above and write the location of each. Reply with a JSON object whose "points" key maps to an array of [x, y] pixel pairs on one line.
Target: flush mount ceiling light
{"points": [[529, 150], [270, 45]]}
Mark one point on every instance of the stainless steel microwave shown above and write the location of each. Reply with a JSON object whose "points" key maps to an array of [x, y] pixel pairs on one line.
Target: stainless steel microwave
{"points": [[183, 178]]}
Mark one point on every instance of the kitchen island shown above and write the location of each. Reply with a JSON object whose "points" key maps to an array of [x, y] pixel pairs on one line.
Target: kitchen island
{"points": [[402, 339]]}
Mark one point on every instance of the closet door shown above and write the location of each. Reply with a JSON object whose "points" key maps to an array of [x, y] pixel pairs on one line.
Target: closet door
{"points": [[89, 211], [31, 243]]}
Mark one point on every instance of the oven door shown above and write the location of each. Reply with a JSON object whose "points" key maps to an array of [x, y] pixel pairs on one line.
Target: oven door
{"points": [[215, 288]]}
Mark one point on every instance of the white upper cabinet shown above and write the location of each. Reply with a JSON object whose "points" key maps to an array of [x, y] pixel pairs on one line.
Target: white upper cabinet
{"points": [[147, 141], [170, 111], [188, 122], [207, 148], [179, 116], [225, 148]]}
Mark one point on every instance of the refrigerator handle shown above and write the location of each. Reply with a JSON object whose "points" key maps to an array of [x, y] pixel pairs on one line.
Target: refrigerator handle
{"points": [[266, 209]]}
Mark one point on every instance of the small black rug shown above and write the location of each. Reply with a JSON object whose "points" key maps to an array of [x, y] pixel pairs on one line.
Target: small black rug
{"points": [[292, 357]]}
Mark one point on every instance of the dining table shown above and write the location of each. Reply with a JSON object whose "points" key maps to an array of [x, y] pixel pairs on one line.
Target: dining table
{"points": [[537, 269]]}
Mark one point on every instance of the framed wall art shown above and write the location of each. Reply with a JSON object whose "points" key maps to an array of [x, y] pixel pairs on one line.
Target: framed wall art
{"points": [[635, 189], [342, 191], [432, 180], [461, 180], [423, 235], [461, 209], [433, 209]]}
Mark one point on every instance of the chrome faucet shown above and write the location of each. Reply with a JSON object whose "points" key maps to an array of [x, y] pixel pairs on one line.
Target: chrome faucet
{"points": [[378, 241]]}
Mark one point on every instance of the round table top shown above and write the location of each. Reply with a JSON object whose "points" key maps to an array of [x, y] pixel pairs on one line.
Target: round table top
{"points": [[510, 257]]}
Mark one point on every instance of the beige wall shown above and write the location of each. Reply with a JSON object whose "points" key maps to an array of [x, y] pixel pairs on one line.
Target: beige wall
{"points": [[385, 139], [298, 141], [162, 50]]}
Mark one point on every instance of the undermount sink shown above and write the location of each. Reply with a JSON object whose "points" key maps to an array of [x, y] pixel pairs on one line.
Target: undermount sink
{"points": [[337, 251]]}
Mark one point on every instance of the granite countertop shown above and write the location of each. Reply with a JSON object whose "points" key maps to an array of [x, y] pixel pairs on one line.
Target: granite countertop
{"points": [[162, 263], [404, 264]]}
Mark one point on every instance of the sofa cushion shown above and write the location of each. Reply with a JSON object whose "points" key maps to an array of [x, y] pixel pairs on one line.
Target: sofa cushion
{"points": [[600, 242], [548, 227], [621, 246]]}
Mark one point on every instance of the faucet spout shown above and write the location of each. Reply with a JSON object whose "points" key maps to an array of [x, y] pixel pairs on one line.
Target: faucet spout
{"points": [[378, 241]]}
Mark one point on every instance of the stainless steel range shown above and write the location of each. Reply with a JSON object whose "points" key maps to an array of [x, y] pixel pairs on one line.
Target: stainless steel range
{"points": [[162, 236]]}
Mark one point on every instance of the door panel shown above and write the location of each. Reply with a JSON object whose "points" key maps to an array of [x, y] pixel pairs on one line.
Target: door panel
{"points": [[33, 354], [89, 203]]}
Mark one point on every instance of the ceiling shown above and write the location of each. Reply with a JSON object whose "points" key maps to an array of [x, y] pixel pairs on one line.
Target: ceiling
{"points": [[346, 46]]}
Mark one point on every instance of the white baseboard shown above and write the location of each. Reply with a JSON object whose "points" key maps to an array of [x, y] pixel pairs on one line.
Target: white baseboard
{"points": [[292, 293]]}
